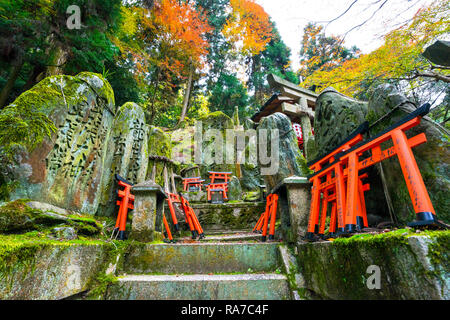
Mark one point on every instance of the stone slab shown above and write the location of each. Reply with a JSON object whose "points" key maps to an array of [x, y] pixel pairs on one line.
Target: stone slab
{"points": [[200, 287], [50, 271], [339, 270], [201, 258]]}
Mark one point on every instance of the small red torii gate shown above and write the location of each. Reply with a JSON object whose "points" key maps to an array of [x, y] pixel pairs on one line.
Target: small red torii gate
{"points": [[345, 164], [125, 202]]}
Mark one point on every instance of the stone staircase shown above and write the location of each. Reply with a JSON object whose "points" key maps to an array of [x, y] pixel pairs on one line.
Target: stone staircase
{"points": [[203, 271]]}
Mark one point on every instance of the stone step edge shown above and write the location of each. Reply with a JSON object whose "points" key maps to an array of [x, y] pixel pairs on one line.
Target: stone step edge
{"points": [[206, 243], [202, 277]]}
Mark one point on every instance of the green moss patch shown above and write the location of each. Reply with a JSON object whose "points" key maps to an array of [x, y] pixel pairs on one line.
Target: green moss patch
{"points": [[16, 216], [338, 270]]}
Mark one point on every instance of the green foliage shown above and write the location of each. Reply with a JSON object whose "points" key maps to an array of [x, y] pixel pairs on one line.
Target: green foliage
{"points": [[227, 93], [219, 49], [398, 61], [321, 52], [274, 59]]}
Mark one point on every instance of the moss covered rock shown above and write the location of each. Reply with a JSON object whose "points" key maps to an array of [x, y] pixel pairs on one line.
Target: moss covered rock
{"points": [[336, 116], [234, 189], [159, 145], [412, 266], [290, 161], [214, 149], [127, 154], [19, 216], [433, 157], [66, 170], [216, 120], [42, 269]]}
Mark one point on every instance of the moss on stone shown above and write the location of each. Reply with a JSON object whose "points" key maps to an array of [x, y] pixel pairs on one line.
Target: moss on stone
{"points": [[84, 225], [99, 286], [439, 255], [103, 88], [16, 216], [159, 143], [19, 253], [345, 277], [216, 120]]}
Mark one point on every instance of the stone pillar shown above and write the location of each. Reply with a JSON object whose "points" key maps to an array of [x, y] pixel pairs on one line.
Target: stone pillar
{"points": [[148, 204], [298, 194], [305, 123]]}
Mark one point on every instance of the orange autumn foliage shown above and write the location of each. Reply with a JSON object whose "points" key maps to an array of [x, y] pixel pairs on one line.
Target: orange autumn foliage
{"points": [[180, 25], [248, 26], [399, 58]]}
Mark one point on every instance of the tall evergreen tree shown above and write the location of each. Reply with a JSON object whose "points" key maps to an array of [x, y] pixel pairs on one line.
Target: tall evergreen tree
{"points": [[274, 59], [227, 93], [37, 42]]}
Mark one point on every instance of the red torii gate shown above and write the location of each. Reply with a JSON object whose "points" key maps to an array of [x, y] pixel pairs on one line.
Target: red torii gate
{"points": [[191, 218], [325, 167], [344, 163], [125, 203], [269, 213], [402, 147]]}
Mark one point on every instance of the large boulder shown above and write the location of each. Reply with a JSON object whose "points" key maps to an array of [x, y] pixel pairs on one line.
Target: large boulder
{"points": [[251, 176], [290, 161], [127, 153], [336, 117], [214, 137], [433, 157], [234, 189], [33, 269], [66, 170]]}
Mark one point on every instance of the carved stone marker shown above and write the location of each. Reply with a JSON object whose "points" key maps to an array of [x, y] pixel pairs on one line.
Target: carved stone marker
{"points": [[66, 170], [127, 153], [337, 116], [290, 161], [148, 204]]}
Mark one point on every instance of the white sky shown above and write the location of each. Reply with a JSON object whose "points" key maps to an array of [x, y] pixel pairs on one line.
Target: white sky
{"points": [[291, 16]]}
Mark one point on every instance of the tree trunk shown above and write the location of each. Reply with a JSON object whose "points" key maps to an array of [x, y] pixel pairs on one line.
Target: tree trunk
{"points": [[152, 105], [187, 95], [33, 79], [6, 91], [58, 59]]}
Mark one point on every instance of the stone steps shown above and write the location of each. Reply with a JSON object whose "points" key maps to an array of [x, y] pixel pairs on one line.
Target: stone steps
{"points": [[201, 287], [202, 258], [202, 271], [225, 236]]}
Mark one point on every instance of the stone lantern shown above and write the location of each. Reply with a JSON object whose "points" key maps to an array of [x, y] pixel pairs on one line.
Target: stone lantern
{"points": [[148, 205], [298, 194], [293, 207]]}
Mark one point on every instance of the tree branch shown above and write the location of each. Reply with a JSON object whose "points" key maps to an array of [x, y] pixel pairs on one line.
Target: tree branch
{"points": [[349, 7], [431, 74], [363, 23]]}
